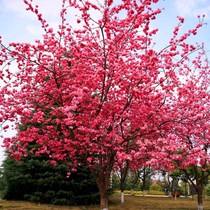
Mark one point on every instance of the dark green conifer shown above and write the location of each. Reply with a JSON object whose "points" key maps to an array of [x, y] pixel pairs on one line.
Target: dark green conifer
{"points": [[35, 179]]}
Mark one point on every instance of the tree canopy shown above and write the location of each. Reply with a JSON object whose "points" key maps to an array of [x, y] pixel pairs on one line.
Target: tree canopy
{"points": [[101, 93]]}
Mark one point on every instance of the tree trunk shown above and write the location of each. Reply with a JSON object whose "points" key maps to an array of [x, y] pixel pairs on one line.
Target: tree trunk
{"points": [[123, 175], [175, 195], [200, 198], [122, 196], [132, 192], [103, 182], [103, 186], [103, 199], [144, 183], [185, 190]]}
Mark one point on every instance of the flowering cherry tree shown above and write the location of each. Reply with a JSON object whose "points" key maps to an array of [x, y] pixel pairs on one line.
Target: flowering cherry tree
{"points": [[95, 92], [191, 127]]}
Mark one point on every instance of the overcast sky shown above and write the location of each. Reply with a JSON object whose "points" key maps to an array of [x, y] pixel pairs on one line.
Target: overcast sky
{"points": [[19, 25]]}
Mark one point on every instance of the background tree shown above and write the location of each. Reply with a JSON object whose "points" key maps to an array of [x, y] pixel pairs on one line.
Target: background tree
{"points": [[35, 179], [134, 180], [191, 127], [145, 174], [168, 182], [122, 175], [175, 176], [198, 179]]}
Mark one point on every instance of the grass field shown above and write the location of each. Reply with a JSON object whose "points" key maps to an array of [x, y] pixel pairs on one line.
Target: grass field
{"points": [[131, 203]]}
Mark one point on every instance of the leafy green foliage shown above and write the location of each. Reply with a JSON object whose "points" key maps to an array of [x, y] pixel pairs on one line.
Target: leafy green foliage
{"points": [[155, 187], [35, 179], [129, 182], [207, 189]]}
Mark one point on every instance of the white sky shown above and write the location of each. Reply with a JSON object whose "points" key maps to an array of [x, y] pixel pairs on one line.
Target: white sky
{"points": [[19, 25]]}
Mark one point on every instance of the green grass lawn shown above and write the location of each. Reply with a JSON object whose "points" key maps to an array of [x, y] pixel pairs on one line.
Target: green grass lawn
{"points": [[131, 203]]}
